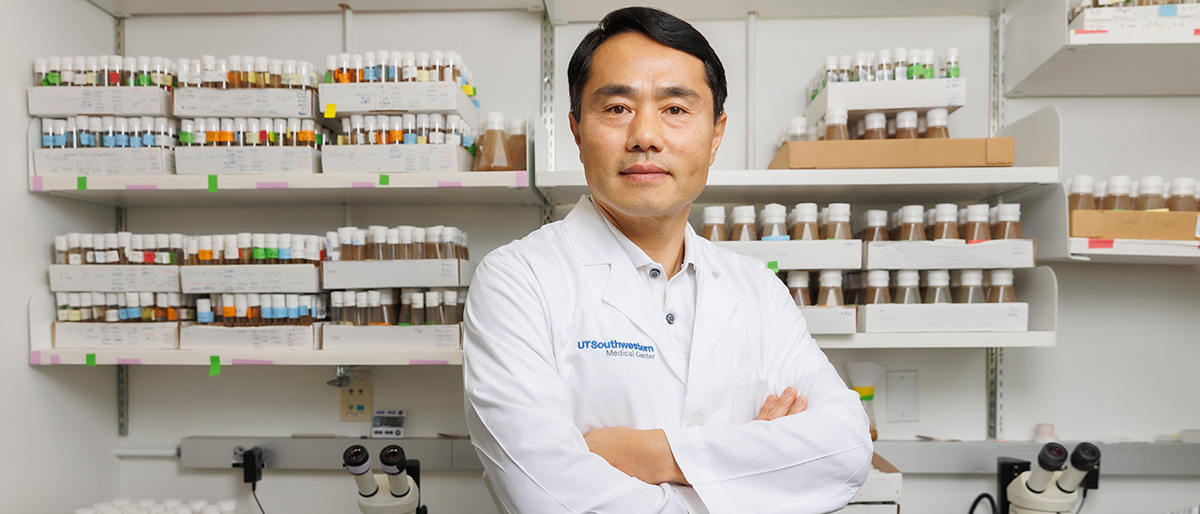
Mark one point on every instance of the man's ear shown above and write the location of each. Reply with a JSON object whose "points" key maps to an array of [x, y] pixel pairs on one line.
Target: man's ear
{"points": [[718, 135], [574, 127]]}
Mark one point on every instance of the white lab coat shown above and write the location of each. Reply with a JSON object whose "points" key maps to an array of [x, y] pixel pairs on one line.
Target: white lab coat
{"points": [[535, 383]]}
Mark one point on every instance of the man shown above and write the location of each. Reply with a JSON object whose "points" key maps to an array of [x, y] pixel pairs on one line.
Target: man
{"points": [[615, 362]]}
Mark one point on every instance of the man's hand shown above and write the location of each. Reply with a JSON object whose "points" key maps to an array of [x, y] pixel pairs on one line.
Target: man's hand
{"points": [[790, 403], [642, 454]]}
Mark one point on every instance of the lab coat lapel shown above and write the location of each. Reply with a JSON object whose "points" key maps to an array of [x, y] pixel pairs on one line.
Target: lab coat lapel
{"points": [[715, 303]]}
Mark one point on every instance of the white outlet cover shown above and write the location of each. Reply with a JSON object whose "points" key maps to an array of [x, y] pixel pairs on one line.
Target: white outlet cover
{"points": [[902, 405]]}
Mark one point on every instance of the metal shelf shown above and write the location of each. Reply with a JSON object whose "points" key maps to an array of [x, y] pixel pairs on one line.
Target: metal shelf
{"points": [[250, 357], [566, 11], [979, 457]]}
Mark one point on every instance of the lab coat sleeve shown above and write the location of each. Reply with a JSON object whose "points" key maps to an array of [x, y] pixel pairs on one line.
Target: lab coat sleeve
{"points": [[814, 461], [518, 410]]}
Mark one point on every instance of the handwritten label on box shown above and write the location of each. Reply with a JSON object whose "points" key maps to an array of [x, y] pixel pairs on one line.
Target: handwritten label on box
{"points": [[103, 161], [196, 337], [250, 278], [116, 101], [116, 278], [275, 103], [116, 335], [246, 160]]}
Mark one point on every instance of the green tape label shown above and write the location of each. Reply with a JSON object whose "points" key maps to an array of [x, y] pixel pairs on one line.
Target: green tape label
{"points": [[272, 253], [214, 366], [258, 253], [212, 183], [773, 266], [91, 359], [81, 183], [385, 180]]}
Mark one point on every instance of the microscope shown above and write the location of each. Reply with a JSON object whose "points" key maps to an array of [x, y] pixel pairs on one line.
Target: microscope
{"points": [[394, 492], [1050, 488]]}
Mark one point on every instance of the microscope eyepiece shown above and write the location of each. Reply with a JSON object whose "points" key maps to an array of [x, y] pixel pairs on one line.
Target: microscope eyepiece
{"points": [[393, 456], [1052, 457], [356, 456], [1085, 457]]}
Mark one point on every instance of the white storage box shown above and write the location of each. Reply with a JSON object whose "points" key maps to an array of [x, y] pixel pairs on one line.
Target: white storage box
{"points": [[422, 337], [944, 317], [397, 273], [831, 320], [397, 97], [103, 161], [243, 103], [802, 255], [207, 337], [63, 101], [871, 508], [198, 160], [394, 158], [250, 278], [950, 254], [1151, 17], [883, 484], [114, 278], [889, 97], [115, 335]]}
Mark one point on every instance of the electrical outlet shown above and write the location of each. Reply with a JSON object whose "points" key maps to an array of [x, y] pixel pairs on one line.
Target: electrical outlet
{"points": [[902, 396], [355, 402]]}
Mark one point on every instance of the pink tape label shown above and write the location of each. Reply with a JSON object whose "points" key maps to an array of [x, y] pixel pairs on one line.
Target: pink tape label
{"points": [[1099, 243], [252, 362], [35, 358], [522, 178], [272, 185], [1081, 31], [54, 359], [427, 362], [141, 187], [35, 184], [362, 185], [449, 183], [129, 362]]}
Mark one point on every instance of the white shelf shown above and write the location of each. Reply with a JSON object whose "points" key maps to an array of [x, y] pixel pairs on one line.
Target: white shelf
{"points": [[1136, 251], [864, 341], [1043, 57], [126, 8], [917, 185], [570, 11], [51, 356], [425, 188]]}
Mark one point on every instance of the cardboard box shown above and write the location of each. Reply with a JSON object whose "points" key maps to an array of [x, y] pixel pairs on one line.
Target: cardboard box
{"points": [[1169, 226], [831, 320], [198, 160], [103, 161], [950, 254], [395, 158], [60, 102], [883, 484], [244, 103], [895, 153], [397, 97], [203, 337], [802, 255], [422, 337], [404, 273], [115, 335], [250, 278], [889, 97], [944, 317], [114, 278]]}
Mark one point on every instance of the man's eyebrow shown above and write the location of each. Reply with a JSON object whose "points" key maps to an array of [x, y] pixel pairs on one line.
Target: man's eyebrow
{"points": [[675, 92], [615, 90]]}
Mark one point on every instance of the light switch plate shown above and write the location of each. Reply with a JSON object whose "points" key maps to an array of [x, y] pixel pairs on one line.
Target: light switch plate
{"points": [[356, 397], [902, 405]]}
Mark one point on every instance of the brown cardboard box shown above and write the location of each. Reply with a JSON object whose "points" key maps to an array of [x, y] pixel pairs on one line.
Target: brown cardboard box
{"points": [[895, 153], [1170, 226]]}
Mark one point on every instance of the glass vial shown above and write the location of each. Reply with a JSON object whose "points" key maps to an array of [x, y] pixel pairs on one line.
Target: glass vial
{"points": [[876, 226], [804, 222], [906, 125], [878, 282], [1080, 197], [830, 294], [971, 289], [714, 223], [912, 223], [978, 226], [939, 287], [907, 287], [774, 223], [936, 120], [876, 126], [1001, 290], [835, 124], [1182, 191], [743, 224], [838, 223]]}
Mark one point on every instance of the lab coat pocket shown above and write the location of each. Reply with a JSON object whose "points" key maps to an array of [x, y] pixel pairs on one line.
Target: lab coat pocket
{"points": [[745, 390]]}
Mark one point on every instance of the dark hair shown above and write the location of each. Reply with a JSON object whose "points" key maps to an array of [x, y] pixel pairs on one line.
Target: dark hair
{"points": [[663, 28]]}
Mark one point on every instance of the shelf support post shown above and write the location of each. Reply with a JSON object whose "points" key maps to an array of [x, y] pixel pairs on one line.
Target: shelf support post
{"points": [[123, 400], [548, 87], [995, 393], [995, 94]]}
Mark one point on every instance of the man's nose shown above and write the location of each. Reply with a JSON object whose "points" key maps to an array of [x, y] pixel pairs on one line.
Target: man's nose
{"points": [[645, 132]]}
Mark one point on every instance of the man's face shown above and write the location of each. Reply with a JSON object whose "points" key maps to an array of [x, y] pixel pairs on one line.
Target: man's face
{"points": [[645, 132]]}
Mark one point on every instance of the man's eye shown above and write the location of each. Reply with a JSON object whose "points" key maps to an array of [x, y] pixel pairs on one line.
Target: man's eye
{"points": [[617, 109], [675, 111]]}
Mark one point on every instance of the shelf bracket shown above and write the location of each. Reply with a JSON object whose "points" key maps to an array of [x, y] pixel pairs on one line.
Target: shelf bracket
{"points": [[123, 400], [995, 95], [995, 393], [120, 46], [548, 87]]}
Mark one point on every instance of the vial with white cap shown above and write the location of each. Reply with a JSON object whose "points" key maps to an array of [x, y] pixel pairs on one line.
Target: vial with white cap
{"points": [[971, 288], [838, 223], [1118, 197], [774, 225], [1181, 199], [883, 66], [446, 243], [912, 223], [1080, 197], [376, 240], [978, 223], [945, 221], [418, 307], [743, 224], [906, 125], [876, 126], [830, 73], [878, 282], [830, 293], [797, 129], [516, 145], [939, 287], [714, 223], [433, 236], [433, 308], [907, 287], [405, 250], [1001, 290], [1008, 221], [937, 128], [804, 226], [797, 282], [952, 64], [835, 124]]}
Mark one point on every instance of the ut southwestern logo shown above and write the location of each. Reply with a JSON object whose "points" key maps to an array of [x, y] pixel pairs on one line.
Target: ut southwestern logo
{"points": [[615, 348]]}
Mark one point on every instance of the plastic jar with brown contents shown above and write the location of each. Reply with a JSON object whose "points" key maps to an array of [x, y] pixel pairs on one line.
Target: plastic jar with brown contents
{"points": [[1008, 224], [492, 152], [971, 289], [877, 288], [743, 224], [1080, 197], [945, 221], [907, 290], [774, 225], [516, 144], [1100, 193], [977, 224], [797, 129], [930, 218], [714, 223], [852, 289], [835, 124], [797, 282], [876, 126], [936, 120], [876, 226], [1150, 194], [1118, 198], [939, 287], [804, 226], [912, 223], [838, 223], [1001, 290], [906, 125], [1181, 199], [830, 294]]}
